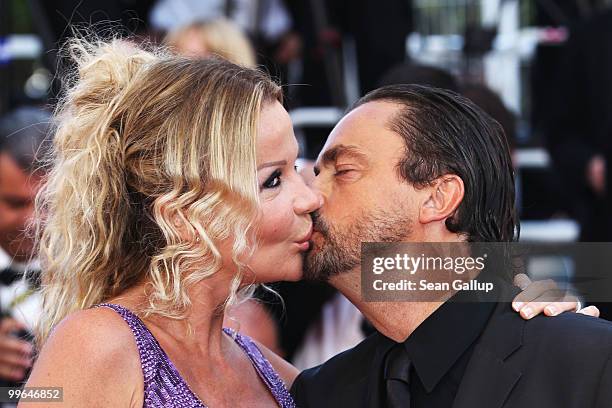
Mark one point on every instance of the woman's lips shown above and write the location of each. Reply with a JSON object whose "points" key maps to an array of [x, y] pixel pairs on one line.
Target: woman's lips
{"points": [[303, 246], [304, 243]]}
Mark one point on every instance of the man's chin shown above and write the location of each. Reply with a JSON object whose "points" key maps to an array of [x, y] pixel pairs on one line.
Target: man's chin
{"points": [[310, 270], [317, 269]]}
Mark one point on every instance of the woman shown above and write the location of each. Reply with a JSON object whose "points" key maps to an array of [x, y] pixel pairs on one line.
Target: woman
{"points": [[157, 192], [172, 192]]}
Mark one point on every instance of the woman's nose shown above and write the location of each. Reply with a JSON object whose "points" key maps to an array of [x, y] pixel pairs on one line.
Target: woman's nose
{"points": [[308, 200]]}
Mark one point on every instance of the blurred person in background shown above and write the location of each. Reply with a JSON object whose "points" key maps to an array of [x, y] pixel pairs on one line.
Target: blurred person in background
{"points": [[345, 47], [267, 23], [578, 126], [578, 129], [378, 28], [23, 143], [218, 37]]}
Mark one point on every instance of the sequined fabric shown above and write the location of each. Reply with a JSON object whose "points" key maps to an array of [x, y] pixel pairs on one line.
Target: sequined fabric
{"points": [[163, 385]]}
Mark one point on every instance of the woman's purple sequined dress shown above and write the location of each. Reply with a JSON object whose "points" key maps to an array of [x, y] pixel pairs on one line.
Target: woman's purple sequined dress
{"points": [[163, 385]]}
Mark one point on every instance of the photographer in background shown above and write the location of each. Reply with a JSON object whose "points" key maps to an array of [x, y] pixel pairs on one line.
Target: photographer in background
{"points": [[22, 143]]}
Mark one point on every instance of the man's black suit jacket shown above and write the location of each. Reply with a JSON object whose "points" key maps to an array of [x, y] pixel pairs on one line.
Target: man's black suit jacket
{"points": [[545, 362]]}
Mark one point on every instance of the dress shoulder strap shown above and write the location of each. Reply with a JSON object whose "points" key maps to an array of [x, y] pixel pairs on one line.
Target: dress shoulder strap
{"points": [[264, 369], [148, 348]]}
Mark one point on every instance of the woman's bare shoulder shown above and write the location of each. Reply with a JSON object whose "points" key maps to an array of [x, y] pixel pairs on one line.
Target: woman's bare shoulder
{"points": [[96, 331], [93, 356]]}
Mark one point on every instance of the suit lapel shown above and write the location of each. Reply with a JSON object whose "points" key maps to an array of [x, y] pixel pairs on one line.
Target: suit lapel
{"points": [[488, 378], [487, 383]]}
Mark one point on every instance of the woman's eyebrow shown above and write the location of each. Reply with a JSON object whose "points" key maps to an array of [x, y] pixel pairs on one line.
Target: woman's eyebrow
{"points": [[271, 164]]}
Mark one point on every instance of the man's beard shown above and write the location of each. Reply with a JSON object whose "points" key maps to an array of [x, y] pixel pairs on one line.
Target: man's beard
{"points": [[340, 250]]}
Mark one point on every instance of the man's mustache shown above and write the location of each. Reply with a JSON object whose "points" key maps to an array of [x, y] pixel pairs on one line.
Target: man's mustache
{"points": [[319, 224]]}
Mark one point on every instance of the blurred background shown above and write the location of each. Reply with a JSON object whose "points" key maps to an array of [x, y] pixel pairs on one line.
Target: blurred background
{"points": [[542, 68], [537, 65]]}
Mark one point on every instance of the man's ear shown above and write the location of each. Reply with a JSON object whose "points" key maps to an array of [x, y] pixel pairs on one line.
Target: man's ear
{"points": [[444, 196]]}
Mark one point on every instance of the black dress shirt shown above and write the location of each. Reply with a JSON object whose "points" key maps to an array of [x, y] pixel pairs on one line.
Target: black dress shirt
{"points": [[440, 349]]}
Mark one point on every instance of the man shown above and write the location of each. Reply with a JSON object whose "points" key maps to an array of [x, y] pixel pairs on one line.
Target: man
{"points": [[411, 163], [22, 133]]}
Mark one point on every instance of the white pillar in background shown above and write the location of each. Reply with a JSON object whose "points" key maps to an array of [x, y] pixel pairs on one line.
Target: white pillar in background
{"points": [[489, 12], [502, 65]]}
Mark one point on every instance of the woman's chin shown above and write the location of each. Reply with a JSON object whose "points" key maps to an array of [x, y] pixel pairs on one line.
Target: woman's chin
{"points": [[288, 270], [292, 275]]}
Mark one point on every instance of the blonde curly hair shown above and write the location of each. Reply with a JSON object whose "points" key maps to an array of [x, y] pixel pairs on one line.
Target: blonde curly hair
{"points": [[144, 139]]}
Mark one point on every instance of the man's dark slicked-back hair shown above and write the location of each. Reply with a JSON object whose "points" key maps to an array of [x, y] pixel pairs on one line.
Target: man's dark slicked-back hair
{"points": [[445, 133]]}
